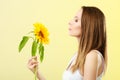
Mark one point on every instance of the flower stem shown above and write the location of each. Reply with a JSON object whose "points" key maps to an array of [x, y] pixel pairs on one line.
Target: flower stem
{"points": [[35, 73]]}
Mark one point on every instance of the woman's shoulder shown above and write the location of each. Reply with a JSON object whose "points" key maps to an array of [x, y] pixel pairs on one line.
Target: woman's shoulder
{"points": [[91, 64], [94, 57], [91, 58], [93, 54]]}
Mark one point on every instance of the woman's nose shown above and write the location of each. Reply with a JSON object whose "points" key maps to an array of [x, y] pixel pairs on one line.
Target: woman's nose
{"points": [[70, 22]]}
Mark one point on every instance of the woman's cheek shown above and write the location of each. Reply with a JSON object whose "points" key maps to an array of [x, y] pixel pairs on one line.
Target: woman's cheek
{"points": [[78, 30]]}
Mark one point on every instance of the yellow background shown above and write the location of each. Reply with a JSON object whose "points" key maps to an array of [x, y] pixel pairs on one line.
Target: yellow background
{"points": [[16, 19]]}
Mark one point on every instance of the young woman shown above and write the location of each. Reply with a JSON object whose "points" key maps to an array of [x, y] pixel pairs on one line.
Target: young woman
{"points": [[89, 63]]}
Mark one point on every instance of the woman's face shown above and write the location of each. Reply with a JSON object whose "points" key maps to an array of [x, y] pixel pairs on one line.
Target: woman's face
{"points": [[75, 25]]}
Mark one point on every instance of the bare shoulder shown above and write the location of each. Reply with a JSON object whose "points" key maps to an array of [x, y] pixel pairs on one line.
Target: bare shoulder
{"points": [[90, 66], [92, 55]]}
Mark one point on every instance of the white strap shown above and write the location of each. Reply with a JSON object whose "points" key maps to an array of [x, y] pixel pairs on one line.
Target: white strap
{"points": [[100, 60]]}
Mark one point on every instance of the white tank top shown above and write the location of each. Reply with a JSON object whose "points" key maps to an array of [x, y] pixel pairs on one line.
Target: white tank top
{"points": [[68, 75]]}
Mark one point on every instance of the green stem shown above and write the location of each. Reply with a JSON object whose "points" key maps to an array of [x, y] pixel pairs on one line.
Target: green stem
{"points": [[35, 73]]}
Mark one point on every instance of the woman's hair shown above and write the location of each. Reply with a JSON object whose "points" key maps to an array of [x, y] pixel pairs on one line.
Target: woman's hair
{"points": [[93, 36]]}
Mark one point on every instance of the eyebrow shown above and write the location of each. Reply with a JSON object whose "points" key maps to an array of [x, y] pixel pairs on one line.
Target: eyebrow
{"points": [[76, 17]]}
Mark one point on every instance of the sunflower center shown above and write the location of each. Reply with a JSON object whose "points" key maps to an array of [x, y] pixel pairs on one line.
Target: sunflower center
{"points": [[41, 34]]}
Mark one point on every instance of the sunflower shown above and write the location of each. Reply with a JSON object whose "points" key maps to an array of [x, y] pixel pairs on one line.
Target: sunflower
{"points": [[41, 33]]}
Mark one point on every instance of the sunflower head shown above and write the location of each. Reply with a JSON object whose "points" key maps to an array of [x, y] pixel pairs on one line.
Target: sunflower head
{"points": [[41, 33]]}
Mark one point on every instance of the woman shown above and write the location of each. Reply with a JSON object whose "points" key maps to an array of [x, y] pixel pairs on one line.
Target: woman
{"points": [[89, 63]]}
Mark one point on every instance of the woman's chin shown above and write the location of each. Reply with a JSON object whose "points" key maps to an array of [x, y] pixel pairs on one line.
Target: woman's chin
{"points": [[72, 35]]}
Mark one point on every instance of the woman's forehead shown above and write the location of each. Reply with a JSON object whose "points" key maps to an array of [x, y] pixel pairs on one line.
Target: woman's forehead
{"points": [[79, 14]]}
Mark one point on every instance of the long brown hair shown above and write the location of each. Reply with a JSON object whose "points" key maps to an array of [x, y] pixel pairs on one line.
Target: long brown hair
{"points": [[93, 35]]}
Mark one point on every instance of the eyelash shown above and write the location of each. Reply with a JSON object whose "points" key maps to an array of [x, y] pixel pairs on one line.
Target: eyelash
{"points": [[76, 20]]}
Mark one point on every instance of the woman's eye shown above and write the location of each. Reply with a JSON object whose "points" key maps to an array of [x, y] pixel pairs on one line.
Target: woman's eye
{"points": [[76, 20]]}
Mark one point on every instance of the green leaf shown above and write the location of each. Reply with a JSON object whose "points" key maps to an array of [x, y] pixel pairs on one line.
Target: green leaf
{"points": [[23, 42], [40, 47], [42, 54], [34, 48]]}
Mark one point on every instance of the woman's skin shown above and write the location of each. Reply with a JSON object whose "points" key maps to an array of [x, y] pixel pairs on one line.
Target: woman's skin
{"points": [[32, 65], [91, 61]]}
